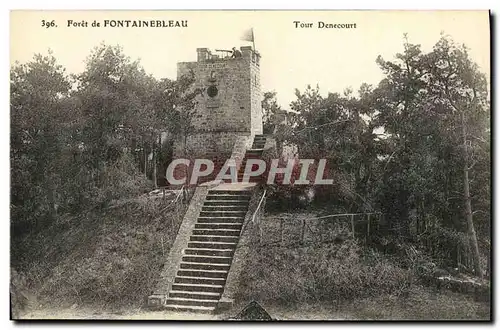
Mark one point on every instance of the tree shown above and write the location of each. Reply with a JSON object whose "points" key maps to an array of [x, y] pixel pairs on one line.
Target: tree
{"points": [[428, 104], [270, 109], [410, 147], [174, 103], [127, 110], [399, 100], [40, 126], [338, 129], [457, 84], [113, 93]]}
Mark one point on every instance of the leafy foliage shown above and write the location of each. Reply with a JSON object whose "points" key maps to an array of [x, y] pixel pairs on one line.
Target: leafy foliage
{"points": [[415, 147], [80, 141], [398, 147]]}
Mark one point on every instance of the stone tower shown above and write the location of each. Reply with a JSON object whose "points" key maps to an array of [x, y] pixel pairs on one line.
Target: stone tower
{"points": [[229, 106]]}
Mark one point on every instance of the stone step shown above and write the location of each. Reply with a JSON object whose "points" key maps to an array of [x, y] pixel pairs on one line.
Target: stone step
{"points": [[224, 216], [217, 239], [230, 180], [233, 226], [225, 202], [200, 280], [232, 220], [194, 295], [244, 165], [207, 259], [198, 287], [222, 213], [191, 302], [206, 273], [217, 232], [227, 197], [204, 266], [209, 252], [211, 245], [250, 179], [243, 168], [224, 208], [242, 172], [251, 156], [190, 309], [230, 192]]}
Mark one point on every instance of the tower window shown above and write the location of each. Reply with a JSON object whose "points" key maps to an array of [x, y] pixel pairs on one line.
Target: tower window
{"points": [[212, 77]]}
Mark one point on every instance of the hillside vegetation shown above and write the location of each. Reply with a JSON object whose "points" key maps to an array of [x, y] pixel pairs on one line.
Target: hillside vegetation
{"points": [[349, 278], [415, 147]]}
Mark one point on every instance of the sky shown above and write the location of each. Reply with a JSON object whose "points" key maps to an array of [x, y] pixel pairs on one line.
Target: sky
{"points": [[292, 57]]}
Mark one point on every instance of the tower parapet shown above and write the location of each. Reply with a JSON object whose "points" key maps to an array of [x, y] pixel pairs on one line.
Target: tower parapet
{"points": [[247, 52]]}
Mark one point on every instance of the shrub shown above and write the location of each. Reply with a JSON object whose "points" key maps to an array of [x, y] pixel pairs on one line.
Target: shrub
{"points": [[321, 273], [19, 297], [120, 180], [109, 257]]}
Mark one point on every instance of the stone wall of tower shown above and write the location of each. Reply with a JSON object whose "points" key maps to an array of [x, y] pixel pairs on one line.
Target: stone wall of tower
{"points": [[234, 111], [256, 100]]}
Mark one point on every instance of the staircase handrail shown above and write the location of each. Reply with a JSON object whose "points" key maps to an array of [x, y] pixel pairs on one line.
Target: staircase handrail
{"points": [[179, 194], [259, 205], [344, 215]]}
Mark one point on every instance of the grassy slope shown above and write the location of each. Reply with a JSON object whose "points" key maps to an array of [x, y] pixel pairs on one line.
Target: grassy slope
{"points": [[108, 259], [343, 281]]}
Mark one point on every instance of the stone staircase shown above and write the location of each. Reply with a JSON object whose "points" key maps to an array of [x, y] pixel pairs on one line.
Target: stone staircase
{"points": [[255, 152], [202, 274]]}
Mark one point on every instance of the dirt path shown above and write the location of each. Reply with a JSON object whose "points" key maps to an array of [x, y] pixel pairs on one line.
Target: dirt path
{"points": [[81, 314], [420, 305], [308, 312]]}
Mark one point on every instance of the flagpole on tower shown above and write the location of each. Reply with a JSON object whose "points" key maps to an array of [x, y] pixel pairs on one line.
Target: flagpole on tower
{"points": [[253, 41], [248, 35]]}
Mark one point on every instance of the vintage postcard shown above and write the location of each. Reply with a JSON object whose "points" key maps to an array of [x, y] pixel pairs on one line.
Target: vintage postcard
{"points": [[250, 165]]}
